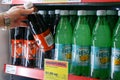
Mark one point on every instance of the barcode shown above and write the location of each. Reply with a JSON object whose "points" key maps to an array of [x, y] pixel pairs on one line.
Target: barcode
{"points": [[49, 40], [6, 1]]}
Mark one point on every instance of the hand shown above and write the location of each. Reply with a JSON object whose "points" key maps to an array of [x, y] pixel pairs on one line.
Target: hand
{"points": [[17, 14]]}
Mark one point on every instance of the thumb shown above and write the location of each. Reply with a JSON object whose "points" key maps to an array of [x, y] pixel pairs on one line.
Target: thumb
{"points": [[27, 11]]}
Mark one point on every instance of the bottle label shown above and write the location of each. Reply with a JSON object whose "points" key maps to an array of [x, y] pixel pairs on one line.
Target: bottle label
{"points": [[45, 40], [80, 55], [63, 52], [115, 59], [100, 57], [16, 46], [30, 49]]}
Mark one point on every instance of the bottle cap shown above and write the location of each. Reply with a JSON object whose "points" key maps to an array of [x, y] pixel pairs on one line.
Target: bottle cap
{"points": [[42, 12], [72, 12], [51, 12], [111, 12], [57, 11], [91, 12], [119, 13], [101, 12], [28, 5], [82, 12], [64, 12]]}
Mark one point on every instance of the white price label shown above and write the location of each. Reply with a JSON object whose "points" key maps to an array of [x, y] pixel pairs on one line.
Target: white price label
{"points": [[6, 1], [10, 69]]}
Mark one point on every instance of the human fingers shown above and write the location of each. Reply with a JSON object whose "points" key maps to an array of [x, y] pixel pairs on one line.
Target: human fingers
{"points": [[16, 7], [22, 18], [23, 24], [20, 6], [19, 23], [27, 11]]}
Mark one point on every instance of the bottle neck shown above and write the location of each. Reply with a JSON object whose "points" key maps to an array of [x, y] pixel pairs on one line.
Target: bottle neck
{"points": [[64, 17], [102, 19], [82, 19]]}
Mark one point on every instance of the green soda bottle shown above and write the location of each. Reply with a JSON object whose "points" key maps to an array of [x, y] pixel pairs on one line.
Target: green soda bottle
{"points": [[81, 46], [115, 57], [112, 18], [100, 49], [73, 17], [63, 39], [91, 18]]}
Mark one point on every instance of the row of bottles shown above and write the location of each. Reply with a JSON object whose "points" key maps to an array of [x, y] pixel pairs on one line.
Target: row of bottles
{"points": [[51, 17], [39, 48], [81, 38], [23, 47], [88, 51]]}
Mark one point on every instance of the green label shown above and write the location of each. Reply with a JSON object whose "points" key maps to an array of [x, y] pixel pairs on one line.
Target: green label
{"points": [[80, 55], [63, 52], [115, 59], [100, 57]]}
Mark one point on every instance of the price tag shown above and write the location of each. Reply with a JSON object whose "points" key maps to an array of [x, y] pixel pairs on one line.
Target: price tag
{"points": [[10, 69], [6, 1], [55, 70]]}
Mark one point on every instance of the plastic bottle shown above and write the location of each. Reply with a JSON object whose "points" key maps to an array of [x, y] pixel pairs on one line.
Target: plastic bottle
{"points": [[55, 24], [43, 37], [17, 45], [63, 39], [112, 18], [100, 49], [45, 16], [91, 18], [81, 46], [30, 49], [51, 14], [73, 17], [57, 18], [115, 57]]}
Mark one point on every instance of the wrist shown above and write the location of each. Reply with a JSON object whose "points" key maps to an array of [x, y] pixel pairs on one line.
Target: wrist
{"points": [[1, 19], [7, 20]]}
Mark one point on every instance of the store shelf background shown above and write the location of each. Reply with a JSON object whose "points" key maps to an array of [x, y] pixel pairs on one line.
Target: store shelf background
{"points": [[64, 4]]}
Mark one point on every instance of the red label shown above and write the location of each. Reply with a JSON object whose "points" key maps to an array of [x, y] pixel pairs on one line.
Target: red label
{"points": [[30, 49], [16, 46], [45, 40]]}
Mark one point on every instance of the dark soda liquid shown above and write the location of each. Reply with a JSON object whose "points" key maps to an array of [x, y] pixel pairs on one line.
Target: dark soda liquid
{"points": [[30, 49], [17, 45]]}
